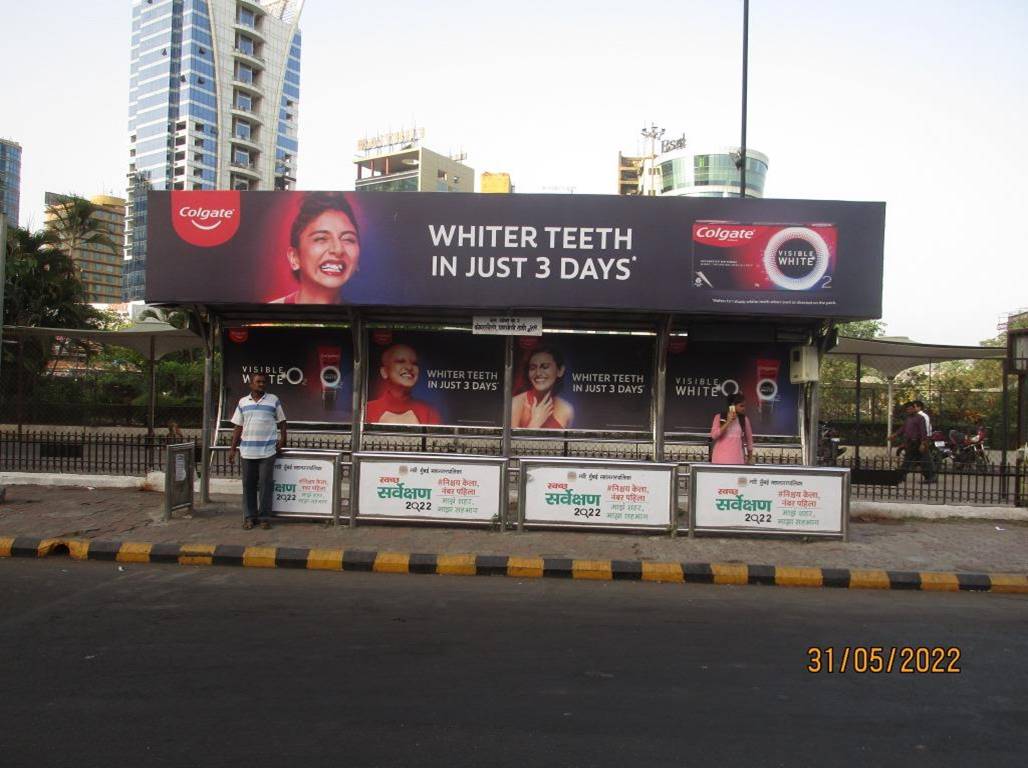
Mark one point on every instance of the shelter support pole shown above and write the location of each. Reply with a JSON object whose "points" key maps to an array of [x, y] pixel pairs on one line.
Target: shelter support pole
{"points": [[1004, 428], [889, 381], [151, 413], [1022, 410], [813, 423], [659, 389], [856, 419], [207, 434], [508, 390], [359, 363]]}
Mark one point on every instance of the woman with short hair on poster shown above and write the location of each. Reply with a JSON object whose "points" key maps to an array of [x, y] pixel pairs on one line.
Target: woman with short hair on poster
{"points": [[540, 406], [731, 435], [324, 249]]}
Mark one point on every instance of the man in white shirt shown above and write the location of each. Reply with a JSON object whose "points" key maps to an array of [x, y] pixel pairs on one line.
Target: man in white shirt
{"points": [[919, 407], [260, 433]]}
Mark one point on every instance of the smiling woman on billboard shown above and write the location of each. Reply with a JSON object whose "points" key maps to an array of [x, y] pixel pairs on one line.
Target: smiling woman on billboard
{"points": [[540, 406], [324, 249]]}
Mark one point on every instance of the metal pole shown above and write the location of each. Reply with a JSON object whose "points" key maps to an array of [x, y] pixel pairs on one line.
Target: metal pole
{"points": [[659, 386], [1004, 427], [151, 416], [891, 406], [508, 395], [856, 421], [357, 331], [505, 440], [745, 75], [206, 433], [814, 427]]}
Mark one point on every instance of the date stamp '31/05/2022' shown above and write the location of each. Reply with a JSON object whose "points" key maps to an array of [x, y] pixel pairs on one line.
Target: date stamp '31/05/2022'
{"points": [[876, 659]]}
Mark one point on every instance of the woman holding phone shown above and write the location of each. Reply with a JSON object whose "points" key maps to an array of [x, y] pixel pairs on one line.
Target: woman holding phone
{"points": [[731, 435], [540, 407]]}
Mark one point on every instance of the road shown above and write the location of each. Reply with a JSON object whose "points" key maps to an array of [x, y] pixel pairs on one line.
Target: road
{"points": [[175, 666]]}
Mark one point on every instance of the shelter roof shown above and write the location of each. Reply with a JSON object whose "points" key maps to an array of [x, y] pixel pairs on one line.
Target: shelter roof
{"points": [[166, 338], [891, 355]]}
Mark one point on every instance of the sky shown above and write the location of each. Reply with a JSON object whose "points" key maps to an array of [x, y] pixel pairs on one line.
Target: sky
{"points": [[918, 104]]}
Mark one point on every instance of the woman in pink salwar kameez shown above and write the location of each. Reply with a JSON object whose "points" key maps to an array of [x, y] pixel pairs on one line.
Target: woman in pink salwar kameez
{"points": [[731, 435]]}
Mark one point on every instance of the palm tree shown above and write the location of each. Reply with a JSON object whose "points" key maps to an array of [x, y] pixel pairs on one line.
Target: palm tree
{"points": [[74, 220], [179, 318]]}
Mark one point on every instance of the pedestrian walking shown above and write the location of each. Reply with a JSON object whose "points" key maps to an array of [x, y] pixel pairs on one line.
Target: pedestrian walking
{"points": [[915, 443], [259, 434]]}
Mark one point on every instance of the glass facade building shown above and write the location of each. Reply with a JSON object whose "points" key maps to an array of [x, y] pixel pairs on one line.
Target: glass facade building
{"points": [[213, 98], [710, 174], [10, 181]]}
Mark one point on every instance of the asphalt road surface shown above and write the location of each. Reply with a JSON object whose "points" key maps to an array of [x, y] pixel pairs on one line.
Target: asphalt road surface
{"points": [[176, 666]]}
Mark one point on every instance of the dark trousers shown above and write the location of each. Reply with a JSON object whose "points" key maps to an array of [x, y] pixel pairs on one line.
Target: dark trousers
{"points": [[914, 460], [257, 487]]}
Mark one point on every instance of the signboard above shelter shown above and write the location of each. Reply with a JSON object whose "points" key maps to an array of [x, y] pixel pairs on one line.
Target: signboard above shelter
{"points": [[793, 258]]}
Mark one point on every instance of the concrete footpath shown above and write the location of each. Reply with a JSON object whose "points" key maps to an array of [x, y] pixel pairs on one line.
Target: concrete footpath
{"points": [[899, 545]]}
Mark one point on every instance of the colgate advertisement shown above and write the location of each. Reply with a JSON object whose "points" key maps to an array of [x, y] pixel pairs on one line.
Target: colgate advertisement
{"points": [[701, 374], [728, 256], [205, 219], [309, 368], [514, 253]]}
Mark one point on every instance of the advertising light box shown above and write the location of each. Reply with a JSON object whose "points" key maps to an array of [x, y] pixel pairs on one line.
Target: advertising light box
{"points": [[582, 382], [798, 258], [310, 369]]}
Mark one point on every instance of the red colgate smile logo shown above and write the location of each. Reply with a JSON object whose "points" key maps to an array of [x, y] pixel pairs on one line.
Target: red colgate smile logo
{"points": [[207, 218], [239, 335]]}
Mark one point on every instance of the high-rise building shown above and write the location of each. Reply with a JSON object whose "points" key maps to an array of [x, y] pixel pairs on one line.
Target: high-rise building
{"points": [[676, 169], [99, 264], [629, 170], [10, 180], [396, 162], [213, 101], [498, 183]]}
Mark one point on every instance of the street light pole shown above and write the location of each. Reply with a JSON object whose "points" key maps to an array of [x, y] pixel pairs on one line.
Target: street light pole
{"points": [[745, 74]]}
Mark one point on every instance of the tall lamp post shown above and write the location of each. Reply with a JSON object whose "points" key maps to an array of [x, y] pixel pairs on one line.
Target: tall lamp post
{"points": [[745, 74]]}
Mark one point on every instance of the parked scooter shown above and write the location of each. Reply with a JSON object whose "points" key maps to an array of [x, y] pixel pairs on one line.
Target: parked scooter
{"points": [[829, 447]]}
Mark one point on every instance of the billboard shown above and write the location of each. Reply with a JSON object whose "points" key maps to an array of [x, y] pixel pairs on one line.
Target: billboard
{"points": [[701, 374], [309, 368], [799, 258], [434, 378], [582, 382]]}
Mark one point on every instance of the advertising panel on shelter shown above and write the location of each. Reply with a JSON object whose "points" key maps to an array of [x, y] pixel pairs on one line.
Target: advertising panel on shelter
{"points": [[630, 495], [435, 488], [434, 378], [304, 486], [801, 258], [582, 382], [310, 369], [769, 499], [701, 374]]}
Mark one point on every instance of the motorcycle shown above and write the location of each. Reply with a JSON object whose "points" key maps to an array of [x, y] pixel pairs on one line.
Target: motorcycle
{"points": [[829, 447], [968, 451]]}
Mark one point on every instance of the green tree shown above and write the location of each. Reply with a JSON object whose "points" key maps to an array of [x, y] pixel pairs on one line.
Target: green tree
{"points": [[74, 220]]}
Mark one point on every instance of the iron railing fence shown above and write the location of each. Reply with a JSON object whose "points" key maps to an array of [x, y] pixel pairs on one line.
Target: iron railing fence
{"points": [[879, 478]]}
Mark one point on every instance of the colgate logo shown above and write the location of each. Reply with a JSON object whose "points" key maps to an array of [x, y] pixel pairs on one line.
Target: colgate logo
{"points": [[206, 218], [239, 335], [720, 233]]}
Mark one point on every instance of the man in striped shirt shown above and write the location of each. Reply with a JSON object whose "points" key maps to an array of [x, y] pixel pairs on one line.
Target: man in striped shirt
{"points": [[260, 433]]}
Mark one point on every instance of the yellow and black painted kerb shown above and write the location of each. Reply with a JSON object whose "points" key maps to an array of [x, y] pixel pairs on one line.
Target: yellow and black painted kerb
{"points": [[517, 567]]}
